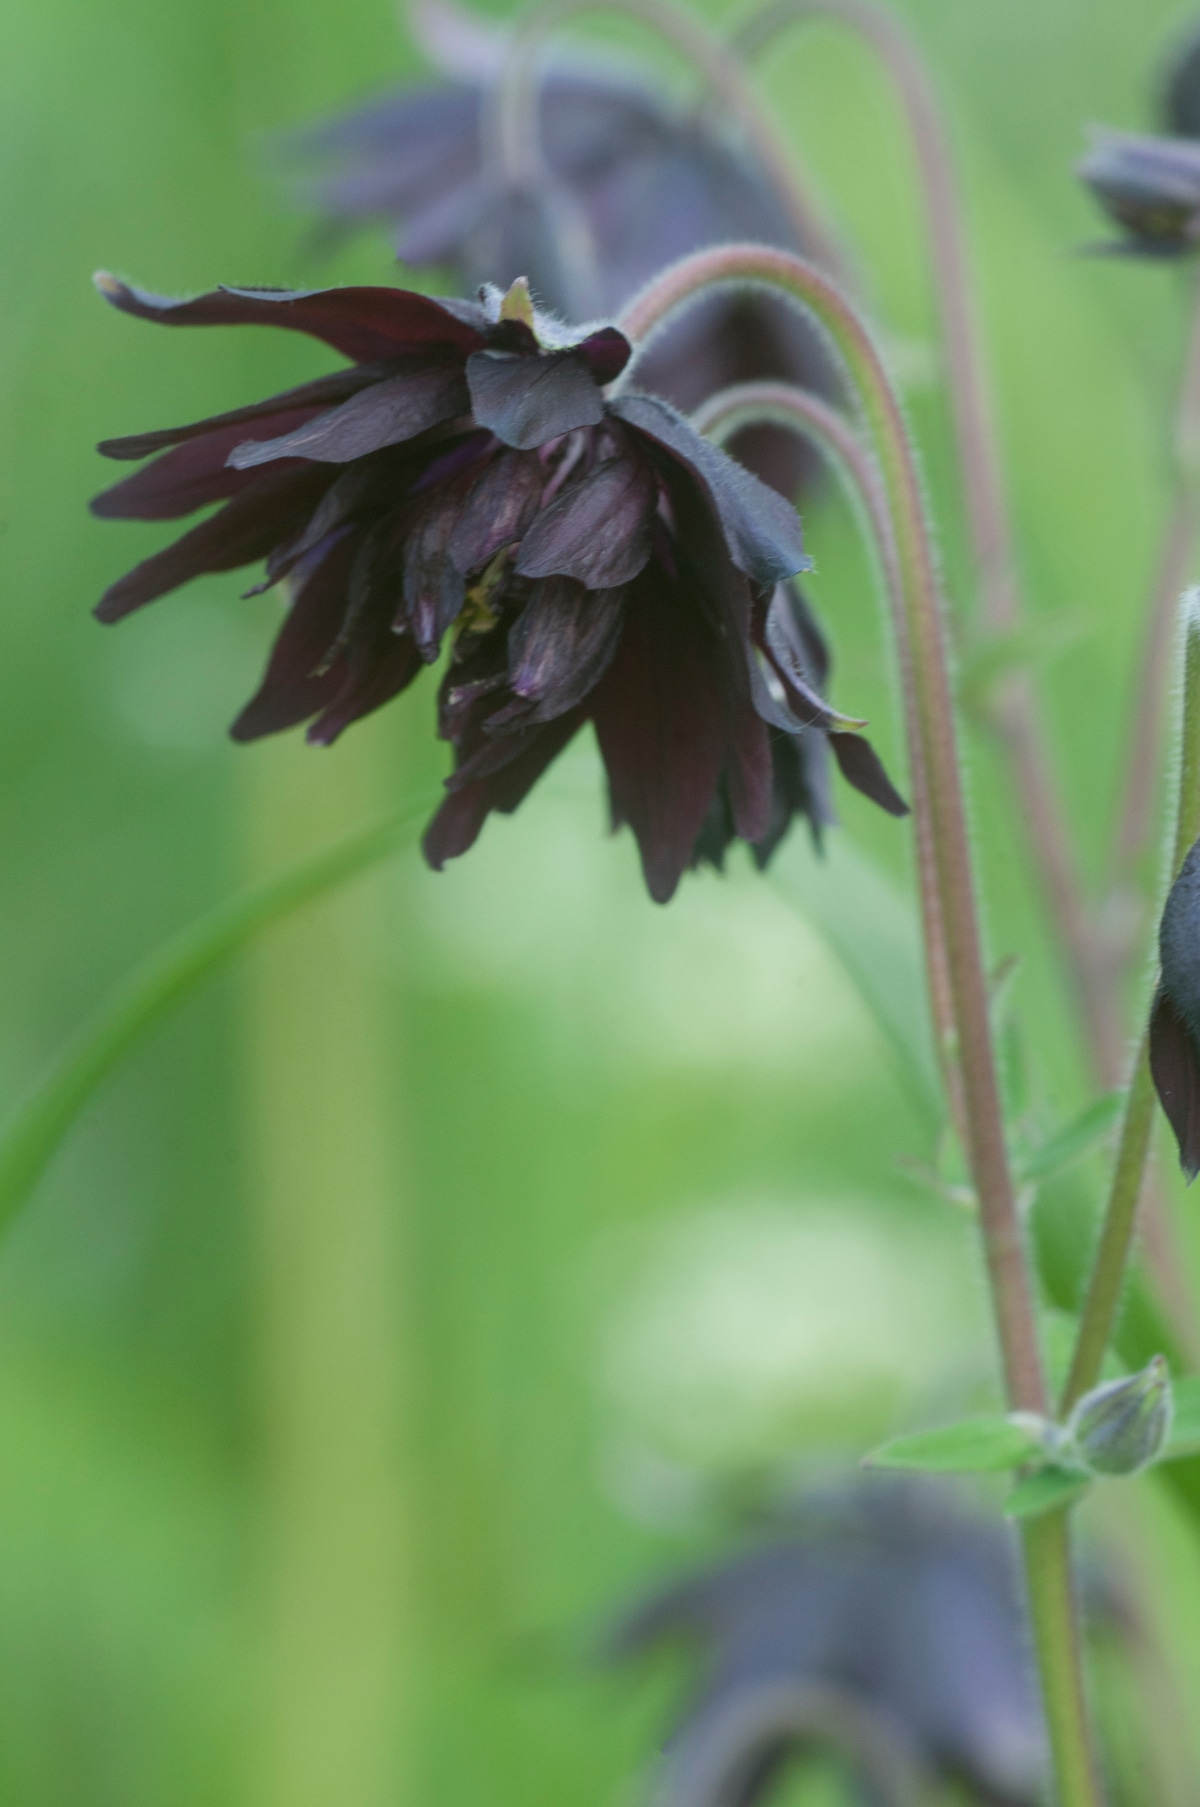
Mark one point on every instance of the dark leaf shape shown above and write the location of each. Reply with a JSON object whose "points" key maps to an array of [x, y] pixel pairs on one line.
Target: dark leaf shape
{"points": [[389, 412], [187, 477], [597, 529], [296, 684], [325, 392], [561, 645], [1175, 1068], [526, 399], [861, 766], [761, 529], [366, 324], [660, 722], [498, 510], [245, 529]]}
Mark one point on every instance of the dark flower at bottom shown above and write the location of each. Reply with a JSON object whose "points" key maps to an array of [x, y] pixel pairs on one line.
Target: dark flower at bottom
{"points": [[1175, 1014], [590, 559], [891, 1611]]}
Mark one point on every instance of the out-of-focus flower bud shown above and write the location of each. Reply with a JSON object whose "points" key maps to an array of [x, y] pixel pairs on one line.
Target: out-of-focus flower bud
{"points": [[1181, 88], [1151, 188], [1175, 1016], [1121, 1426]]}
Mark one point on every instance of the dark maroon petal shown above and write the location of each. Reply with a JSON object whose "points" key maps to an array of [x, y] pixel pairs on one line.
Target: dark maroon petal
{"points": [[761, 530], [351, 493], [188, 477], [245, 529], [526, 400], [785, 647], [561, 645], [606, 353], [502, 503], [748, 774], [296, 683], [1176, 1073], [378, 667], [325, 392], [434, 588], [385, 414], [597, 529], [862, 767], [660, 721], [457, 823], [365, 324]]}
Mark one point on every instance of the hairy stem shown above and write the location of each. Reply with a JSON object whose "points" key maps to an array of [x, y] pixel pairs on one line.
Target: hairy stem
{"points": [[511, 125], [1120, 1218], [1047, 1565], [1015, 714], [780, 404]]}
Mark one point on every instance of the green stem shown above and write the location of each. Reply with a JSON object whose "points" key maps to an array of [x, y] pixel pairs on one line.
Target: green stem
{"points": [[1120, 1217], [1047, 1566], [780, 404], [157, 985]]}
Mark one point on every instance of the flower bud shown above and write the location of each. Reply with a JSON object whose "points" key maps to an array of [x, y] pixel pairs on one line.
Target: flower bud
{"points": [[1121, 1426], [1151, 188], [1175, 1016], [1181, 89]]}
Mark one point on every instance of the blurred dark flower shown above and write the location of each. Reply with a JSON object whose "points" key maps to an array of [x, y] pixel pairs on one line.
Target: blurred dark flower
{"points": [[1181, 88], [889, 1623], [1175, 1014], [1151, 188], [595, 558], [632, 182]]}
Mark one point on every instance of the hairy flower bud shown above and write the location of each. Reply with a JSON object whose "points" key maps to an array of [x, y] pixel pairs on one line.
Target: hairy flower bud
{"points": [[1175, 1016], [1121, 1426]]}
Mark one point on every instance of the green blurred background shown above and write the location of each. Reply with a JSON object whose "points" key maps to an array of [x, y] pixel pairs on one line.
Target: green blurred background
{"points": [[434, 1280]]}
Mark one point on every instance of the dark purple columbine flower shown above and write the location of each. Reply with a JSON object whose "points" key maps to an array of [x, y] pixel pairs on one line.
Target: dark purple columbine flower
{"points": [[1151, 188], [889, 1614], [591, 560], [632, 181], [1175, 1014]]}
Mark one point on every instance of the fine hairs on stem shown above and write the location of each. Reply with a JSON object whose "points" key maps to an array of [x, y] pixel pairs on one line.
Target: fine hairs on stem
{"points": [[930, 721]]}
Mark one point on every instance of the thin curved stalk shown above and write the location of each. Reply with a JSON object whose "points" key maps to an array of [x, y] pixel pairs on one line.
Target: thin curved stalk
{"points": [[930, 722], [780, 404], [146, 995], [1120, 1218], [511, 121], [1015, 714]]}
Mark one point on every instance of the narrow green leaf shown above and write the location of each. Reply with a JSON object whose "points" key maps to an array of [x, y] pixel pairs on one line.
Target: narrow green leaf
{"points": [[153, 989], [972, 1446], [1044, 1491], [1184, 1439], [1071, 1143], [871, 927]]}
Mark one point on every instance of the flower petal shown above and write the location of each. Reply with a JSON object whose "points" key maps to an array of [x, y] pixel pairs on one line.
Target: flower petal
{"points": [[325, 392], [365, 324], [526, 399], [296, 684], [560, 647], [434, 588], [861, 766], [1176, 1072], [597, 529], [387, 413], [660, 722], [244, 530], [762, 531], [378, 667], [502, 503], [187, 477], [457, 823]]}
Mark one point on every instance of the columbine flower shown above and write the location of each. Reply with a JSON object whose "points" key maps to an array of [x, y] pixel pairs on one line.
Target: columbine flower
{"points": [[632, 182], [591, 559], [1151, 188], [1175, 1015], [889, 1611]]}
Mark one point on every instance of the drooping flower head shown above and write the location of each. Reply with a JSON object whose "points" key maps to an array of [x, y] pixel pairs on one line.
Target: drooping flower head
{"points": [[1175, 1014], [589, 558], [632, 180]]}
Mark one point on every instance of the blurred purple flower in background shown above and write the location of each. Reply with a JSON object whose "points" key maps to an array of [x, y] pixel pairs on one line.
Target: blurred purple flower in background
{"points": [[886, 1625]]}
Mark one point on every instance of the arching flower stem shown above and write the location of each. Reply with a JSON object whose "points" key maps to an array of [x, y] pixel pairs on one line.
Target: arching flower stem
{"points": [[1047, 1562], [511, 122], [782, 404], [1120, 1218], [1014, 713]]}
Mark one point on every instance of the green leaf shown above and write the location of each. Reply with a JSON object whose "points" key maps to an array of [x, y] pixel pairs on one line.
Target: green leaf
{"points": [[972, 1446], [1184, 1439], [1045, 1491], [1071, 1143], [871, 927], [162, 980]]}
